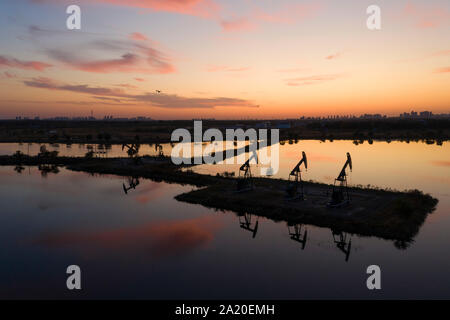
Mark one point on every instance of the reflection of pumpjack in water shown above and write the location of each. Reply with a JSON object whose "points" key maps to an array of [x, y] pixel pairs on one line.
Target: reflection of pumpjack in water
{"points": [[340, 195], [19, 168], [293, 187], [297, 234], [245, 222], [45, 169], [343, 241], [132, 182]]}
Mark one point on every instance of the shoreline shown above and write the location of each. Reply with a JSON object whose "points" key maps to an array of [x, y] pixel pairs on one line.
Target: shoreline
{"points": [[387, 214]]}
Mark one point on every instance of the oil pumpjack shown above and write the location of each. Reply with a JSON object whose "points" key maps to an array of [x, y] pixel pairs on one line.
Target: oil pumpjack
{"points": [[132, 151], [245, 182], [293, 186], [340, 195], [246, 223]]}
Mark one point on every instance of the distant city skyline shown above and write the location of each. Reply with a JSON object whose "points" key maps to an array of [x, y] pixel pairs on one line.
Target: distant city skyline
{"points": [[410, 115]]}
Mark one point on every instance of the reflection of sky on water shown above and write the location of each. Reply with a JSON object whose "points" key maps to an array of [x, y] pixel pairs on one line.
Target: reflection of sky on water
{"points": [[145, 244], [397, 165]]}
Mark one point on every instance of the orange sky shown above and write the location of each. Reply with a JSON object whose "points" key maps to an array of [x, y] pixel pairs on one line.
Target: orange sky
{"points": [[223, 59]]}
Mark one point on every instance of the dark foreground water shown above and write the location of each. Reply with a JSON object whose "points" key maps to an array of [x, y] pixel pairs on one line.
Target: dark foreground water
{"points": [[145, 244]]}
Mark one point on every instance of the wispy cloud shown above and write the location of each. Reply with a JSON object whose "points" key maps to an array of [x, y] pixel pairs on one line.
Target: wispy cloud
{"points": [[239, 24], [291, 13], [22, 64], [126, 86], [215, 68], [159, 239], [442, 70], [440, 163], [47, 83], [134, 57], [303, 81], [9, 75], [333, 56], [138, 36], [292, 70], [108, 99], [426, 15], [442, 53], [160, 100], [201, 8]]}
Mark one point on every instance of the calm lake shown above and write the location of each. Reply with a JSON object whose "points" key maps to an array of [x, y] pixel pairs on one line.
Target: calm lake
{"points": [[147, 245]]}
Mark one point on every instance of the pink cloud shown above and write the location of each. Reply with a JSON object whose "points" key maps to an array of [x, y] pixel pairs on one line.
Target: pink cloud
{"points": [[302, 81], [214, 68], [240, 24], [21, 64], [9, 75], [135, 57], [139, 79], [161, 100], [442, 53], [291, 70], [138, 36], [333, 56], [160, 239], [426, 16], [441, 163], [289, 14], [442, 70], [126, 86], [201, 8]]}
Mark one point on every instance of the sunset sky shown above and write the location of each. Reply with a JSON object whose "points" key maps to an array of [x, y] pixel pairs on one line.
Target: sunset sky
{"points": [[223, 58]]}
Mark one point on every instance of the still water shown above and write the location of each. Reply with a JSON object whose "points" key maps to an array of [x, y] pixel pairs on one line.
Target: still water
{"points": [[79, 150], [146, 244]]}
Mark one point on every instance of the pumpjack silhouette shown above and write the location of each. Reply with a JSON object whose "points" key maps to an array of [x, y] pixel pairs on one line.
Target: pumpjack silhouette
{"points": [[133, 151], [245, 182], [343, 242], [297, 234], [295, 189], [245, 222], [340, 195], [132, 182]]}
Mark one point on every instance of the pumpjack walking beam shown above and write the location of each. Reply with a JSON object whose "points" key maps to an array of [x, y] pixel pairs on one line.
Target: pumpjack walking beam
{"points": [[337, 197], [245, 182], [292, 189]]}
